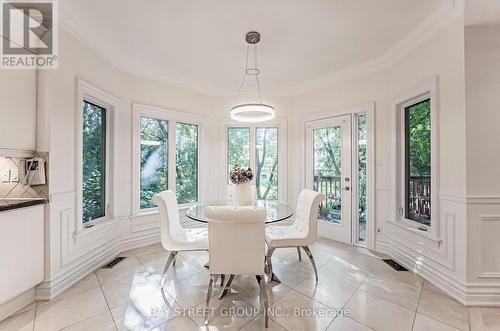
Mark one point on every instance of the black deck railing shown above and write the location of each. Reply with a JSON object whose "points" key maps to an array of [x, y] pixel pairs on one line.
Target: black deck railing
{"points": [[419, 199], [330, 186]]}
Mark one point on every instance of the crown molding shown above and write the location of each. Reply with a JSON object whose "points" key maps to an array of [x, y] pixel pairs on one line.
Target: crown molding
{"points": [[79, 32], [443, 16]]}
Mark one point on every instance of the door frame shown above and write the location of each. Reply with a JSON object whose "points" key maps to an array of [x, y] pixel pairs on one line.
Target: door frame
{"points": [[369, 110], [342, 231]]}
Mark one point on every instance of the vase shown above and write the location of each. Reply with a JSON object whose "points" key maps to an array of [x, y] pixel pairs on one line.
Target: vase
{"points": [[242, 194]]}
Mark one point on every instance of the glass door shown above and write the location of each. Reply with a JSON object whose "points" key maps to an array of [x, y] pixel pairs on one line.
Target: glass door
{"points": [[328, 169]]}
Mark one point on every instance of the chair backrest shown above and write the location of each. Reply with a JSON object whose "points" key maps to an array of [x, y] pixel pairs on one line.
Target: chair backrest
{"points": [[236, 240], [307, 211], [170, 223]]}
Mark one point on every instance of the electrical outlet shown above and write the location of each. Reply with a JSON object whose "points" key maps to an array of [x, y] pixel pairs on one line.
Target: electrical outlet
{"points": [[14, 175], [5, 175]]}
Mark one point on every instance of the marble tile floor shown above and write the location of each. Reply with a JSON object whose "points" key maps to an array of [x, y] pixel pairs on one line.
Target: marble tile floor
{"points": [[356, 291]]}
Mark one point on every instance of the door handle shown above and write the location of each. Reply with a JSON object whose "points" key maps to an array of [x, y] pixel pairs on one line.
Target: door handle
{"points": [[347, 188]]}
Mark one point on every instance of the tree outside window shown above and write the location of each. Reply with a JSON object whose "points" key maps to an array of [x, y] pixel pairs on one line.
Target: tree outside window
{"points": [[154, 159], [94, 162]]}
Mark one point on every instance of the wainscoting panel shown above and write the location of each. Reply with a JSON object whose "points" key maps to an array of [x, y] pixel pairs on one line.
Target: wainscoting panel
{"points": [[488, 246], [72, 255]]}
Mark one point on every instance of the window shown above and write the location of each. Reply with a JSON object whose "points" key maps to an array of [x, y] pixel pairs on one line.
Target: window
{"points": [[166, 156], [94, 162], [238, 151], [362, 176], [417, 163], [266, 167], [94, 156], [327, 159], [154, 159], [260, 148], [186, 166]]}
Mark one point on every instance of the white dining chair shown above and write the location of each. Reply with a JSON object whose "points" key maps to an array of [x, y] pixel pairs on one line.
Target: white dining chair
{"points": [[174, 237], [300, 234], [237, 246]]}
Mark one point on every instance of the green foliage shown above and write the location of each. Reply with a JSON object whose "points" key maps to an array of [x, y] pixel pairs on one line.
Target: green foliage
{"points": [[186, 162], [266, 154], [94, 163], [327, 167], [327, 152], [238, 148], [419, 126], [154, 159], [362, 175], [266, 172]]}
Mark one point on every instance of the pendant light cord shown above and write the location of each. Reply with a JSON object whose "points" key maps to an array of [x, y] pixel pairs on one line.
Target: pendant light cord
{"points": [[246, 72]]}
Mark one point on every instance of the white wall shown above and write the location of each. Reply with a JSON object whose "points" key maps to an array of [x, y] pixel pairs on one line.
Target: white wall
{"points": [[70, 257], [443, 262], [482, 70], [442, 56]]}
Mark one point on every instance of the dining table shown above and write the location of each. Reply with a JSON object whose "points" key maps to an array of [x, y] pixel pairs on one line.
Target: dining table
{"points": [[275, 212]]}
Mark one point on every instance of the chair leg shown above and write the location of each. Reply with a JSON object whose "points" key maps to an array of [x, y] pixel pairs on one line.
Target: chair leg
{"points": [[222, 278], [213, 279], [269, 255], [299, 253], [226, 287], [264, 297], [309, 254], [171, 258]]}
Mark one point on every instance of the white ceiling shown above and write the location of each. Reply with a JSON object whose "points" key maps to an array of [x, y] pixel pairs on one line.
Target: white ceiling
{"points": [[199, 44], [482, 12]]}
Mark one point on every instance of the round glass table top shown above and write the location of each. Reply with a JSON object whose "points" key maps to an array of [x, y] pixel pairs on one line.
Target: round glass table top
{"points": [[275, 211]]}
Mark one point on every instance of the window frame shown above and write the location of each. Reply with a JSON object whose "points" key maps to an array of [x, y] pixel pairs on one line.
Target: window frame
{"points": [[282, 154], [355, 175], [422, 92], [92, 94], [104, 162], [173, 117]]}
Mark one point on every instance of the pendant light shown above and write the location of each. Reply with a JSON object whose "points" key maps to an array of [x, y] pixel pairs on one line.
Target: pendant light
{"points": [[257, 111]]}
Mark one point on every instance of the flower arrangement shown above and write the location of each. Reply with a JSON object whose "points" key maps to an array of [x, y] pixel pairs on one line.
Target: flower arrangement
{"points": [[240, 175]]}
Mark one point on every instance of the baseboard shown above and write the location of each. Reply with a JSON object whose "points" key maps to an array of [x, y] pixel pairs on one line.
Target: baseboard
{"points": [[49, 290], [466, 293], [12, 306], [139, 241]]}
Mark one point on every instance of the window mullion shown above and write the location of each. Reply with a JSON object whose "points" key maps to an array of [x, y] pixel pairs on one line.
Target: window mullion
{"points": [[253, 145], [172, 174]]}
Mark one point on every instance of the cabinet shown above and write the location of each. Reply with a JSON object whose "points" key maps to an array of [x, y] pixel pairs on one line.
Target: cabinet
{"points": [[21, 250], [18, 109]]}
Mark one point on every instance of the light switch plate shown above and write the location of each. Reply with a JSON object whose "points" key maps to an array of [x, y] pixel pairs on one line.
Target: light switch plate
{"points": [[14, 175], [5, 175]]}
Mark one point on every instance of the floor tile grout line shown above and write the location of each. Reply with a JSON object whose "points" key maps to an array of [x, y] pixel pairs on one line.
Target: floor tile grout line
{"points": [[387, 300], [107, 303], [468, 318], [83, 320], [34, 317], [344, 306], [438, 320], [418, 304], [322, 267]]}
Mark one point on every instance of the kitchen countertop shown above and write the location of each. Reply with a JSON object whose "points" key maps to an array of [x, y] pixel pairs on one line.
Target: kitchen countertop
{"points": [[9, 204]]}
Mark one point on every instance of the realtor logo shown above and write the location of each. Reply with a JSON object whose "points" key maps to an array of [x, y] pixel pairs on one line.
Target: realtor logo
{"points": [[29, 35]]}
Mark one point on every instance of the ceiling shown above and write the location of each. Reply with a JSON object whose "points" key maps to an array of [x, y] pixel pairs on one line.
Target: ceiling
{"points": [[200, 44], [482, 12]]}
